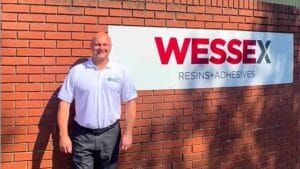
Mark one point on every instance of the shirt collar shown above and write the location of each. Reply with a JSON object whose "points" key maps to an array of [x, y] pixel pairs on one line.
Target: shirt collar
{"points": [[91, 64]]}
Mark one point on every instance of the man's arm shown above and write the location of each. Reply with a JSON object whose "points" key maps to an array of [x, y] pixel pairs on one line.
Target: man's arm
{"points": [[65, 144], [130, 118]]}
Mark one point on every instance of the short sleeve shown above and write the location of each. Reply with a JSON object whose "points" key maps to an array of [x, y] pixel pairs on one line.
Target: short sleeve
{"points": [[66, 92], [128, 89]]}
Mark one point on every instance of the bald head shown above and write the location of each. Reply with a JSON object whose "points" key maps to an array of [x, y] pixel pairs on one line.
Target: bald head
{"points": [[101, 35]]}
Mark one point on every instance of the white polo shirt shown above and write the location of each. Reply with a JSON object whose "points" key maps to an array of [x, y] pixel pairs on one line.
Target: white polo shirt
{"points": [[98, 93]]}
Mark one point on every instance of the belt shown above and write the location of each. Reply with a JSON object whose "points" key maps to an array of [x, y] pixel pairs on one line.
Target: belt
{"points": [[95, 131]]}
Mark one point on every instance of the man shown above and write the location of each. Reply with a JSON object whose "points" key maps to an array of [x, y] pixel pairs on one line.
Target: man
{"points": [[98, 87]]}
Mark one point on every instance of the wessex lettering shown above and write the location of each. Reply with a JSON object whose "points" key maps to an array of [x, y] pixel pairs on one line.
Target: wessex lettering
{"points": [[239, 51]]}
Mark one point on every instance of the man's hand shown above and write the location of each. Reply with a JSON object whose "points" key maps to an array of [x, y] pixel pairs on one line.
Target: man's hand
{"points": [[65, 144], [126, 141]]}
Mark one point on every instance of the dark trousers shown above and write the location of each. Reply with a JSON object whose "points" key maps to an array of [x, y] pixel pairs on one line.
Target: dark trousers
{"points": [[95, 149]]}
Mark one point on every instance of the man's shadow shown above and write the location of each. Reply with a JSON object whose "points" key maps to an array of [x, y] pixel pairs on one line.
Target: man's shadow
{"points": [[46, 146]]}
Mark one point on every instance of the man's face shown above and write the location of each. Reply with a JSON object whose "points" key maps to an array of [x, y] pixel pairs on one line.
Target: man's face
{"points": [[101, 46]]}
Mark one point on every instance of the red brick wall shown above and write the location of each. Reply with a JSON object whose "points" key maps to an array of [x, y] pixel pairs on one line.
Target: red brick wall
{"points": [[244, 127]]}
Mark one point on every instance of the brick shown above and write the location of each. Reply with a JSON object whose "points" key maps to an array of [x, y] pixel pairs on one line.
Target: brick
{"points": [[173, 143], [58, 19], [143, 14], [29, 69], [23, 156], [85, 19], [6, 157], [110, 20], [70, 10], [59, 3], [199, 163], [174, 23], [60, 78], [119, 12], [30, 52], [31, 17], [182, 16], [43, 9], [14, 61], [82, 36], [81, 52], [96, 12], [57, 52], [134, 5], [15, 165], [176, 8], [163, 106], [164, 15], [41, 78], [213, 25], [14, 43], [51, 86], [7, 87], [95, 28], [243, 12], [43, 27], [14, 96], [66, 60], [58, 35], [7, 105], [155, 7], [230, 11], [15, 8], [155, 22], [56, 69], [9, 17], [13, 130], [29, 104], [133, 21], [237, 19], [161, 153], [42, 44], [110, 4], [39, 95], [34, 2], [30, 35], [69, 44], [192, 156], [152, 146], [245, 26], [230, 26], [41, 61], [9, 1], [15, 26], [28, 87], [6, 70], [8, 35], [70, 27], [196, 9], [27, 121], [91, 3], [38, 111], [172, 159], [9, 52], [195, 24], [14, 78]]}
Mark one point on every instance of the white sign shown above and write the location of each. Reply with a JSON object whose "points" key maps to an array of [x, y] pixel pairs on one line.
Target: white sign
{"points": [[171, 58]]}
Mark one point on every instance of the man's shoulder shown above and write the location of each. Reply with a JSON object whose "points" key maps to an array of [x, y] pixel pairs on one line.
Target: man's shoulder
{"points": [[80, 65]]}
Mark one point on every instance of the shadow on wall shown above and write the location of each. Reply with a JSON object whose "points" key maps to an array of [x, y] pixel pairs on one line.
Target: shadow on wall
{"points": [[48, 133]]}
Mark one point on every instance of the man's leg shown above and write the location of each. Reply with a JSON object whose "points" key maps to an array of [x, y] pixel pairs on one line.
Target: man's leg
{"points": [[83, 148], [108, 144]]}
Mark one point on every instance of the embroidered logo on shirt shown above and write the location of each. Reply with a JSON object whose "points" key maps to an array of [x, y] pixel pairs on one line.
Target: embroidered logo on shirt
{"points": [[113, 79]]}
